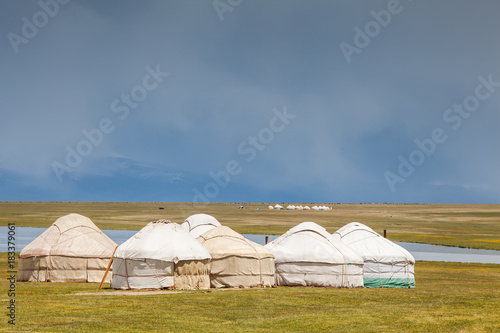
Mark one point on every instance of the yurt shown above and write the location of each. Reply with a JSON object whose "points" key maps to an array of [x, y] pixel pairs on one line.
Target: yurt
{"points": [[315, 208], [386, 264], [307, 208], [278, 206], [237, 261], [161, 255], [290, 207], [72, 249], [270, 207], [198, 224], [307, 255]]}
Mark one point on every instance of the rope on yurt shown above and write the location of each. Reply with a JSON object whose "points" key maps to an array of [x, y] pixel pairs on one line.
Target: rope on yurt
{"points": [[258, 257]]}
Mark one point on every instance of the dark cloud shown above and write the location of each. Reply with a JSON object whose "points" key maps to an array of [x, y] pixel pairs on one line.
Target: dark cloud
{"points": [[352, 121]]}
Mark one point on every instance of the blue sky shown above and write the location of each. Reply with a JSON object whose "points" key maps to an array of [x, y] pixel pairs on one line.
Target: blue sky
{"points": [[282, 101]]}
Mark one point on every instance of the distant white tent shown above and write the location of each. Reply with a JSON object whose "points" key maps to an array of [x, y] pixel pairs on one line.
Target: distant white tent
{"points": [[270, 207], [278, 207], [307, 255], [237, 261], [386, 264], [72, 249], [290, 207], [299, 207], [307, 208], [315, 208], [198, 224], [161, 255]]}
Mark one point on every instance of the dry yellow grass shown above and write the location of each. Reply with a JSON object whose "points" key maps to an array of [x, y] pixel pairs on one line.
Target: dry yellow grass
{"points": [[475, 226]]}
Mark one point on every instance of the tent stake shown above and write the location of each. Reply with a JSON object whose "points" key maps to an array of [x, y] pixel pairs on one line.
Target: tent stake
{"points": [[107, 269]]}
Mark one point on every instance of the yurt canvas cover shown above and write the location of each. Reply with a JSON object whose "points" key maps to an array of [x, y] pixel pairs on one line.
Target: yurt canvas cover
{"points": [[72, 249], [237, 261], [307, 255], [386, 263], [198, 224], [161, 255]]}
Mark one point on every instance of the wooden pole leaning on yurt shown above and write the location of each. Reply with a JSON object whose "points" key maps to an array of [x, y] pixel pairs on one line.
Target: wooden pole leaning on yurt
{"points": [[107, 269]]}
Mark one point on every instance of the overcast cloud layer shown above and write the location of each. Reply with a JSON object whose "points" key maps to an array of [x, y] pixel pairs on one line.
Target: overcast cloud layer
{"points": [[263, 101]]}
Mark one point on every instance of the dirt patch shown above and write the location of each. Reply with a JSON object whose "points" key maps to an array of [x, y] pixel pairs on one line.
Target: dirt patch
{"points": [[156, 292], [127, 293]]}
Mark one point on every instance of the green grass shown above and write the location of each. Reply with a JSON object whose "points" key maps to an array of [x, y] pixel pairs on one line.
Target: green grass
{"points": [[449, 297], [475, 226]]}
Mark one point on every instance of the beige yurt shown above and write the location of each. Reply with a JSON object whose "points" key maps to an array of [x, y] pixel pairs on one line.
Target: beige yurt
{"points": [[307, 255], [72, 249], [237, 261], [161, 255], [198, 224], [386, 264]]}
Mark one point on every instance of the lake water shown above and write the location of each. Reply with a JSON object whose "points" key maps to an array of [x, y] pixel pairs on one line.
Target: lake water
{"points": [[420, 251]]}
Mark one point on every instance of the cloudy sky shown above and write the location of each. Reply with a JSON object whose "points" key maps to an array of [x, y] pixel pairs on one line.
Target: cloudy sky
{"points": [[246, 100]]}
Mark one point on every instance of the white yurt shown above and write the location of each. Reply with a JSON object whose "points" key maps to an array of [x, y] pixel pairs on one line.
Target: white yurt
{"points": [[72, 249], [386, 264], [315, 208], [161, 255], [307, 255], [237, 261], [290, 207], [299, 207], [198, 224], [278, 206], [307, 208], [270, 207]]}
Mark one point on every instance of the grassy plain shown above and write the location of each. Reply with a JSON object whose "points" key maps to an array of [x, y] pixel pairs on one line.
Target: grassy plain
{"points": [[475, 226], [449, 297]]}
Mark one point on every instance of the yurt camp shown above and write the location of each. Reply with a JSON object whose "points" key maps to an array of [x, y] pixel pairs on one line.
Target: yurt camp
{"points": [[237, 261], [72, 249], [386, 264], [198, 224], [307, 255], [161, 255]]}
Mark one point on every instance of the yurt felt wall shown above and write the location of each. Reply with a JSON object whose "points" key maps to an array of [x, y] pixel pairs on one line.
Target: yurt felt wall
{"points": [[386, 264], [237, 261], [161, 255], [72, 249], [307, 255]]}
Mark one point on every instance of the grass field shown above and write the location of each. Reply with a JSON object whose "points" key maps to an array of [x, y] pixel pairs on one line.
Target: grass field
{"points": [[476, 226], [449, 297]]}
